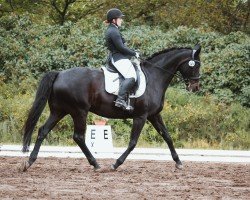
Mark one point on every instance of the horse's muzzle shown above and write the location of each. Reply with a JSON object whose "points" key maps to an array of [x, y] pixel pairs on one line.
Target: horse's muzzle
{"points": [[193, 86]]}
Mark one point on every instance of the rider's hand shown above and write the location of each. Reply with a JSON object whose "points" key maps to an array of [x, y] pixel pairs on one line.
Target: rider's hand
{"points": [[137, 55]]}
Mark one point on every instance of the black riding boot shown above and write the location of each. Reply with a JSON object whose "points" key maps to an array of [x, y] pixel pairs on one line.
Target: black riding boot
{"points": [[124, 90]]}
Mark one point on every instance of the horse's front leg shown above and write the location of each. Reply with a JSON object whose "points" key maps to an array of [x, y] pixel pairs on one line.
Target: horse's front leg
{"points": [[79, 137], [138, 124], [158, 124]]}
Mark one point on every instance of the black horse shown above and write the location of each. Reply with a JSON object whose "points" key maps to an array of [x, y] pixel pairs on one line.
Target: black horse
{"points": [[79, 90]]}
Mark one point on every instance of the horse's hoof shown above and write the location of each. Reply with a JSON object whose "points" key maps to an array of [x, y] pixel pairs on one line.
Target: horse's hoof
{"points": [[97, 169], [113, 168], [24, 166], [179, 166]]}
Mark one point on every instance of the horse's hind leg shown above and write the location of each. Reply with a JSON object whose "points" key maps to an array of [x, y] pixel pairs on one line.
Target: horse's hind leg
{"points": [[158, 124], [79, 137], [42, 133]]}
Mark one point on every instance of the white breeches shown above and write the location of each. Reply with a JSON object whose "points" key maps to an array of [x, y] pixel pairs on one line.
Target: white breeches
{"points": [[125, 67]]}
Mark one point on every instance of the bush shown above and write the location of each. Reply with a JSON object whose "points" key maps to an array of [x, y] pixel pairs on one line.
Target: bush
{"points": [[32, 49], [191, 119], [35, 49], [226, 70]]}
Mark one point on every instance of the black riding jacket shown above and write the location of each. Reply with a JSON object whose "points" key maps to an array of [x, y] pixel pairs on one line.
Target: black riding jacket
{"points": [[116, 44]]}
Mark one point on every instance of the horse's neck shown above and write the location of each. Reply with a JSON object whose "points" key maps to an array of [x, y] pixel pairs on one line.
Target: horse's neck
{"points": [[163, 67]]}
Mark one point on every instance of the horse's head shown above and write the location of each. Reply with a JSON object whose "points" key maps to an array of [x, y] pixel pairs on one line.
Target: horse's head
{"points": [[190, 69]]}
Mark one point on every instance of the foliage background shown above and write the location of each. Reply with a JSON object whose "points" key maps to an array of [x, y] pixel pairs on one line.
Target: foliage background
{"points": [[39, 36]]}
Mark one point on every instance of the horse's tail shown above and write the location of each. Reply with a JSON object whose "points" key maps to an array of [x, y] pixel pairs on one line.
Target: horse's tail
{"points": [[42, 95]]}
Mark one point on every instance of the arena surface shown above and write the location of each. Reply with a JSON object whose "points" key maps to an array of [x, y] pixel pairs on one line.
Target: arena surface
{"points": [[73, 178]]}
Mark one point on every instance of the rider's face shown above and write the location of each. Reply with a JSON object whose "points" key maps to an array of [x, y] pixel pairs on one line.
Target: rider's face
{"points": [[119, 21]]}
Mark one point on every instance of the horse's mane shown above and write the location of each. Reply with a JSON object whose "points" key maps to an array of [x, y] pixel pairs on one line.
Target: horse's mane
{"points": [[166, 51]]}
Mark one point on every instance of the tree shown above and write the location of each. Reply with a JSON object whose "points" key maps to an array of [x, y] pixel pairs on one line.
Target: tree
{"points": [[62, 10], [222, 15]]}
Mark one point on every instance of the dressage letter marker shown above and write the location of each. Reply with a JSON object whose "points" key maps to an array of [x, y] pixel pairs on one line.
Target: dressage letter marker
{"points": [[105, 135], [93, 134], [99, 139]]}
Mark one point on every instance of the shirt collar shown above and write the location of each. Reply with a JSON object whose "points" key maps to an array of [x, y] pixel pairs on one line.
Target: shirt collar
{"points": [[111, 24]]}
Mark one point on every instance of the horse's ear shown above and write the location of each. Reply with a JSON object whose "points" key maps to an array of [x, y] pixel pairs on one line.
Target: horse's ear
{"points": [[197, 49]]}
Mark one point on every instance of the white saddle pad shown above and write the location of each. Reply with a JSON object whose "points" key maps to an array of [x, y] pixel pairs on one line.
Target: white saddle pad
{"points": [[112, 83]]}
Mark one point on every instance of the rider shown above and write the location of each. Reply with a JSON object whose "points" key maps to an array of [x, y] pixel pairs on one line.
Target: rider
{"points": [[120, 55]]}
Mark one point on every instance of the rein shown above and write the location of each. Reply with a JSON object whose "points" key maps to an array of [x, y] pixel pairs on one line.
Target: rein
{"points": [[175, 74], [167, 71], [192, 62]]}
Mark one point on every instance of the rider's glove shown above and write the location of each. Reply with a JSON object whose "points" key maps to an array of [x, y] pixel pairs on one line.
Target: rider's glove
{"points": [[137, 55]]}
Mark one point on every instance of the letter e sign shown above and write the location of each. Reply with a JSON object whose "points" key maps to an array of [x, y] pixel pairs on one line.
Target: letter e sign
{"points": [[99, 139]]}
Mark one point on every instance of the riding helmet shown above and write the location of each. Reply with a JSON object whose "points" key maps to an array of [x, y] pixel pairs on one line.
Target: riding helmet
{"points": [[113, 14]]}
